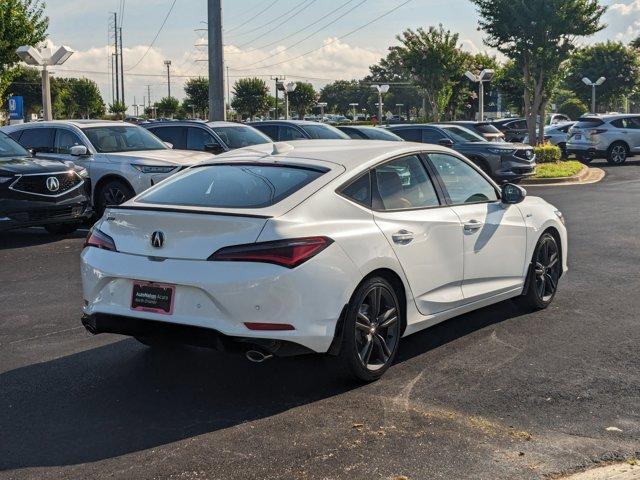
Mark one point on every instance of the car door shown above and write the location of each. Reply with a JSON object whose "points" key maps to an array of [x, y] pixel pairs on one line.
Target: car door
{"points": [[39, 140], [64, 139], [494, 233], [425, 234], [633, 129], [198, 138]]}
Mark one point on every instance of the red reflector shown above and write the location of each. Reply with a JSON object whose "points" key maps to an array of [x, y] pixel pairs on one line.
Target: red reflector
{"points": [[268, 326], [287, 253], [99, 239]]}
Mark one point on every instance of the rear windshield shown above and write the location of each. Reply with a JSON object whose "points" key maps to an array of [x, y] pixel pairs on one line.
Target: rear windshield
{"points": [[326, 132], [589, 123], [240, 136], [232, 186], [381, 134]]}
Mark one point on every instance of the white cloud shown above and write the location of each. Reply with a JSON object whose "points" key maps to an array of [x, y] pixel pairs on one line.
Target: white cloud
{"points": [[626, 8]]}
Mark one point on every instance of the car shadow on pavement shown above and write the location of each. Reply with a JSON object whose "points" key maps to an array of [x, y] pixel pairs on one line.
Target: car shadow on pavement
{"points": [[123, 397], [30, 237]]}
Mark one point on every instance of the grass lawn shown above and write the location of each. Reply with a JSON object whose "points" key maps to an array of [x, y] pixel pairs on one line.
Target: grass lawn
{"points": [[560, 169]]}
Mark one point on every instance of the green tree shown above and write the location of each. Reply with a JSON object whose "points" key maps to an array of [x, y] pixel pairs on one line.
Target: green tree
{"points": [[22, 22], [76, 98], [197, 94], [339, 94], [302, 99], [251, 97], [435, 62], [538, 35], [573, 108], [27, 83], [508, 81], [613, 60], [168, 107], [118, 109]]}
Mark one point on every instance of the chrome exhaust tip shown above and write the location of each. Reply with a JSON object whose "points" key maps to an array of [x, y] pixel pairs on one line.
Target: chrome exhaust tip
{"points": [[257, 356]]}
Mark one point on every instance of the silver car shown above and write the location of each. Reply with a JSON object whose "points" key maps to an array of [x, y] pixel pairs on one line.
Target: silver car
{"points": [[614, 137], [122, 159], [556, 134]]}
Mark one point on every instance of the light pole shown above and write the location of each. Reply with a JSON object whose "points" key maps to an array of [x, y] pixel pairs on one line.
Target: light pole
{"points": [[168, 65], [44, 56], [399, 105], [353, 107], [484, 76], [193, 111], [288, 88], [593, 86], [321, 105], [381, 89]]}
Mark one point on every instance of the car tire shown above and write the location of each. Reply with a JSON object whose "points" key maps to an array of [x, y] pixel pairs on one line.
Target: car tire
{"points": [[61, 228], [563, 149], [546, 267], [586, 159], [371, 331], [113, 192], [617, 153]]}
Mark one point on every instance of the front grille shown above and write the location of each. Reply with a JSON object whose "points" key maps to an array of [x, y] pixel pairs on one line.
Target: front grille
{"points": [[524, 153], [522, 170], [48, 213], [37, 184]]}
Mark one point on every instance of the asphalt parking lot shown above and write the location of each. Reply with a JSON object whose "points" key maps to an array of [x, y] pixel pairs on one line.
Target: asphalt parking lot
{"points": [[493, 394]]}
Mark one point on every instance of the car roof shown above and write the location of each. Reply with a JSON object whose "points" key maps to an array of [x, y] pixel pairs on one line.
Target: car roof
{"points": [[351, 154], [284, 122], [608, 116], [177, 123], [75, 123]]}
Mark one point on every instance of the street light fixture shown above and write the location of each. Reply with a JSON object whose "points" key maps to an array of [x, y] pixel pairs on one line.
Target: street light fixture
{"points": [[288, 88], [381, 89], [593, 86], [167, 64], [44, 56], [321, 105], [399, 105], [353, 107], [484, 76]]}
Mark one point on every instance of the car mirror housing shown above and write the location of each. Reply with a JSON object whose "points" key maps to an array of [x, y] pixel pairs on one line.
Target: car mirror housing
{"points": [[446, 142], [168, 144], [214, 148], [512, 194], [78, 150]]}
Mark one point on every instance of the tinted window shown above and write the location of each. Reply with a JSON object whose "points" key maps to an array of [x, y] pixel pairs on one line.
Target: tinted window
{"points": [[381, 134], [65, 139], [176, 136], [239, 136], [409, 134], [270, 131], [589, 123], [519, 125], [40, 139], [16, 135], [485, 128], [628, 122], [289, 133], [460, 134], [232, 186], [359, 191], [10, 148], [197, 138], [353, 133], [432, 135], [564, 129], [324, 132], [463, 183], [121, 138], [404, 183]]}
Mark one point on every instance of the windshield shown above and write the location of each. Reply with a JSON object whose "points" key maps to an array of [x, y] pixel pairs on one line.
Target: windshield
{"points": [[380, 134], [487, 128], [326, 132], [11, 148], [240, 136], [459, 134], [122, 138]]}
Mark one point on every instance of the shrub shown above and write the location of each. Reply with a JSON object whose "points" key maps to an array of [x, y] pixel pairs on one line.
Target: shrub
{"points": [[573, 108], [547, 153]]}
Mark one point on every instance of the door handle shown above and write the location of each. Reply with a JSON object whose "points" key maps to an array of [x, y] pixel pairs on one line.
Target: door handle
{"points": [[472, 225], [402, 237]]}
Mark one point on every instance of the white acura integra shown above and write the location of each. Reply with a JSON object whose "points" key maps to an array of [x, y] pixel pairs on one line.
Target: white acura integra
{"points": [[336, 246]]}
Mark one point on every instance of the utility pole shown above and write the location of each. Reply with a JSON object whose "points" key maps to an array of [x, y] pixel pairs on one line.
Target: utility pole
{"points": [[121, 66], [168, 64], [113, 79], [217, 110], [117, 54], [149, 94], [228, 94], [279, 85]]}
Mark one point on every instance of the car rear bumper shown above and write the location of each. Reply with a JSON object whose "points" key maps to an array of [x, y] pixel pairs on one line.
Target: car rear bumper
{"points": [[585, 149]]}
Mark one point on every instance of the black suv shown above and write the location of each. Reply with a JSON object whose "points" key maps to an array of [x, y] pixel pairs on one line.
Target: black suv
{"points": [[514, 129], [505, 162], [39, 192], [286, 130], [214, 137]]}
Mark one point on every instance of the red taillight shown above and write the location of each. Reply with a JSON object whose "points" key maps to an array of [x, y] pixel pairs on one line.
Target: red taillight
{"points": [[596, 131], [99, 239], [273, 327], [286, 253]]}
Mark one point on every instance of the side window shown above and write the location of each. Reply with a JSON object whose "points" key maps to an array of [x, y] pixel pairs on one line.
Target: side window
{"points": [[618, 123], [289, 133], [359, 190], [16, 135], [197, 138], [176, 136], [432, 135], [409, 134], [354, 134], [270, 131], [463, 183], [40, 139], [404, 183], [65, 139], [633, 122], [564, 129]]}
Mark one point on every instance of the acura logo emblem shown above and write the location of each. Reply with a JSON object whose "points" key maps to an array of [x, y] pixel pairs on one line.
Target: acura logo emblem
{"points": [[157, 239], [53, 184]]}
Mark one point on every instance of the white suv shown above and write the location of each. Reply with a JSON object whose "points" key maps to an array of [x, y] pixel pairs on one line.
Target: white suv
{"points": [[122, 159], [614, 137]]}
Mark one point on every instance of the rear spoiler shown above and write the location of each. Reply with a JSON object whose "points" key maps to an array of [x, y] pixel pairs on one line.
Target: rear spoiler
{"points": [[185, 210]]}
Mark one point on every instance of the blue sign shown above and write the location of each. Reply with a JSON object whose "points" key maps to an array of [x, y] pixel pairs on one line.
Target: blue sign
{"points": [[16, 108]]}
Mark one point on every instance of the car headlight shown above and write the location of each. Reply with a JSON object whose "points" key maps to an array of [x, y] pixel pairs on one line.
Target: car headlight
{"points": [[82, 172], [560, 216], [501, 151], [153, 169]]}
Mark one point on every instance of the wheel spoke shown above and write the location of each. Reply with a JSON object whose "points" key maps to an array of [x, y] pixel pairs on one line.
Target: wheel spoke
{"points": [[363, 319], [384, 348], [388, 322], [365, 353], [541, 285], [551, 282], [374, 296], [553, 261]]}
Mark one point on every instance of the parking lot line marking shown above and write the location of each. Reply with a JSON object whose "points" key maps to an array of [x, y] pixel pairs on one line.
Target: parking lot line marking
{"points": [[44, 335]]}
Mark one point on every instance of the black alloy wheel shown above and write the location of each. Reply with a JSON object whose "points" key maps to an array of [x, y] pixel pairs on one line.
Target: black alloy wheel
{"points": [[545, 273], [114, 192]]}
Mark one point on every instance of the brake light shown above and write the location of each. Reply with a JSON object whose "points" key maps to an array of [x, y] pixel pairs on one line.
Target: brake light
{"points": [[272, 327], [596, 131], [99, 239], [287, 253]]}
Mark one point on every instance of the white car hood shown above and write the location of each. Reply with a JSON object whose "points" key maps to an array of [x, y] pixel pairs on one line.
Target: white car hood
{"points": [[160, 157]]}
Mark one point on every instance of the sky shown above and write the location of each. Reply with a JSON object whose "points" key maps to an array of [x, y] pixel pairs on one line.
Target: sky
{"points": [[313, 40]]}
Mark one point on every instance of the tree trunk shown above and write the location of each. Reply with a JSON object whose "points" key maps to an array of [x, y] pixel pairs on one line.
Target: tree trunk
{"points": [[527, 104], [543, 116]]}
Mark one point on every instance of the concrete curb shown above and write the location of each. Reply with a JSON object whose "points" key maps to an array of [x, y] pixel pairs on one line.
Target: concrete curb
{"points": [[585, 176], [620, 471]]}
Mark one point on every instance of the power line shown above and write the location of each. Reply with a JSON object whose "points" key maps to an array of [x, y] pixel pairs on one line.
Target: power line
{"points": [[252, 18], [388, 12], [279, 17], [154, 38]]}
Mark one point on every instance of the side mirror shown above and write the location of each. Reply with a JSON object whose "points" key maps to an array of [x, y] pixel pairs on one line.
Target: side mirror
{"points": [[168, 144], [446, 142], [78, 151], [214, 148], [512, 194]]}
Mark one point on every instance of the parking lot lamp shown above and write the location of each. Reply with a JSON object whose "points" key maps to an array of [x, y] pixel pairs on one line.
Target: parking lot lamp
{"points": [[593, 86], [288, 88], [381, 89], [321, 105], [353, 107], [44, 56], [484, 76], [399, 105]]}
